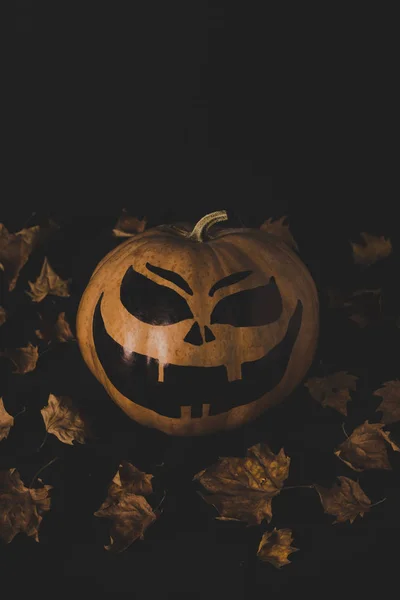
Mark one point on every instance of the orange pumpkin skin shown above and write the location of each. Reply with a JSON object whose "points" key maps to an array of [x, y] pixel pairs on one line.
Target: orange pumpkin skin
{"points": [[192, 337]]}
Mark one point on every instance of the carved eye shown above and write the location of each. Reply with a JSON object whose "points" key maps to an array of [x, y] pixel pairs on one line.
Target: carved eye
{"points": [[250, 308], [152, 303]]}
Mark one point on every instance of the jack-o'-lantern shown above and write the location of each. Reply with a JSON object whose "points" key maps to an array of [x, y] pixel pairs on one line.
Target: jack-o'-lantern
{"points": [[192, 331]]}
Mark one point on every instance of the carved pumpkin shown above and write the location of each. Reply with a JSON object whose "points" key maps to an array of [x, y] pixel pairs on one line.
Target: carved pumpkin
{"points": [[194, 332]]}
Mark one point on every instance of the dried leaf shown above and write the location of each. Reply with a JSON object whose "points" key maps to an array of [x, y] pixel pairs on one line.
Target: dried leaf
{"points": [[280, 229], [390, 405], [3, 315], [366, 448], [242, 489], [127, 226], [333, 390], [373, 249], [63, 420], [15, 249], [24, 359], [22, 508], [366, 306], [48, 282], [127, 506], [275, 547], [346, 501], [6, 421], [59, 331]]}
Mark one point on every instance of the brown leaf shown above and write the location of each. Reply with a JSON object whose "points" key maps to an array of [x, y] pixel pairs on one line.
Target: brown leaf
{"points": [[24, 359], [333, 390], [59, 331], [366, 448], [22, 508], [48, 282], [390, 405], [127, 225], [15, 249], [280, 229], [366, 306], [242, 488], [346, 501], [127, 507], [373, 249], [63, 420], [3, 315], [6, 421], [275, 547]]}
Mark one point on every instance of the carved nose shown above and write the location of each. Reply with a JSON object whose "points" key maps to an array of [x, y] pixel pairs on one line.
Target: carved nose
{"points": [[195, 338]]}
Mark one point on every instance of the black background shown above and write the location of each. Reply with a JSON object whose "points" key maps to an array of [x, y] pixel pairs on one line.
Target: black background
{"points": [[168, 113]]}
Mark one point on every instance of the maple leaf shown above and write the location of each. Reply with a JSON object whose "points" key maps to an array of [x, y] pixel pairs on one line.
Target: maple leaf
{"points": [[373, 249], [60, 331], [127, 226], [366, 448], [346, 501], [333, 390], [21, 508], [280, 229], [390, 405], [24, 359], [6, 421], [275, 547], [15, 249], [63, 420], [127, 506], [3, 315], [48, 282], [242, 489]]}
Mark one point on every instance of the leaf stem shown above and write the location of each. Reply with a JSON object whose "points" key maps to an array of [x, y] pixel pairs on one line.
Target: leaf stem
{"points": [[42, 469], [294, 487], [20, 412], [379, 502], [344, 431], [44, 440]]}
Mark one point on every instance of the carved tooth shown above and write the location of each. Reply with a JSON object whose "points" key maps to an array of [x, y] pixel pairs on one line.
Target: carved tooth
{"points": [[160, 373], [206, 410], [186, 413], [234, 370]]}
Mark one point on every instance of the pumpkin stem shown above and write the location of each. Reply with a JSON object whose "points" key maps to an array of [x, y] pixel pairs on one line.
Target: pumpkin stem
{"points": [[200, 229]]}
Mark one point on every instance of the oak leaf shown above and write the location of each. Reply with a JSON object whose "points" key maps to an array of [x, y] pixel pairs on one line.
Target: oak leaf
{"points": [[59, 331], [275, 547], [24, 359], [280, 229], [21, 508], [48, 282], [390, 405], [63, 420], [242, 489], [3, 315], [6, 421], [127, 225], [127, 506], [373, 249], [15, 249], [345, 502], [333, 390], [366, 448]]}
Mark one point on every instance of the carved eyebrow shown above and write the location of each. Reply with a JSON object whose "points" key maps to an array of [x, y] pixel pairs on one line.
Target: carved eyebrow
{"points": [[230, 280], [170, 276]]}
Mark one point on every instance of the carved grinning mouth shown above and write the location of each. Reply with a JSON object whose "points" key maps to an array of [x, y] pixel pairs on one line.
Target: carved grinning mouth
{"points": [[191, 392]]}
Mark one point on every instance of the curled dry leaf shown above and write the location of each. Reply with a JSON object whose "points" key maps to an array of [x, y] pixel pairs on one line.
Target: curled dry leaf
{"points": [[6, 421], [127, 225], [15, 249], [365, 306], [127, 506], [24, 359], [373, 249], [63, 420], [333, 390], [3, 315], [366, 448], [22, 508], [390, 405], [280, 228], [58, 331], [242, 489], [275, 547], [346, 501], [48, 282]]}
